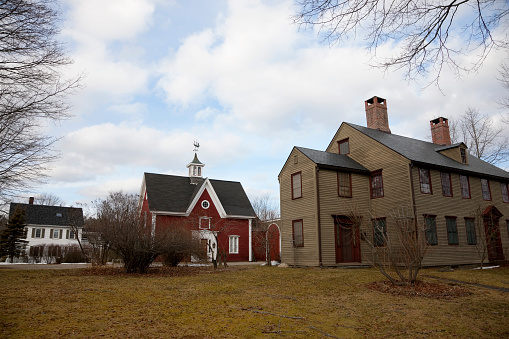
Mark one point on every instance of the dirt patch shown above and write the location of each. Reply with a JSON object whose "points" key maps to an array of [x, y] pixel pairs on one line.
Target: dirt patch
{"points": [[421, 289]]}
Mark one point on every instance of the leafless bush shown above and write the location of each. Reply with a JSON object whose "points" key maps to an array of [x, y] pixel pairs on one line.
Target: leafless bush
{"points": [[397, 251]]}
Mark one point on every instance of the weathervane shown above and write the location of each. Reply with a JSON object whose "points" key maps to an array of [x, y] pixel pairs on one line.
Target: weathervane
{"points": [[196, 146]]}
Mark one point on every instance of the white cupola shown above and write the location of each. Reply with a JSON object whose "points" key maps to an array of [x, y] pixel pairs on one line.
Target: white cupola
{"points": [[195, 168]]}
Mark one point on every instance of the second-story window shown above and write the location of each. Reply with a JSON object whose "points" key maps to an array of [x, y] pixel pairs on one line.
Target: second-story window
{"points": [[344, 146], [296, 185], [465, 187], [445, 178], [485, 187], [344, 185], [505, 192], [425, 180], [376, 184]]}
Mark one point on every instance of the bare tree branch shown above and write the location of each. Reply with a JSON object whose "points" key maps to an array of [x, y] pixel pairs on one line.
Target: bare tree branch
{"points": [[33, 90], [425, 31], [484, 139]]}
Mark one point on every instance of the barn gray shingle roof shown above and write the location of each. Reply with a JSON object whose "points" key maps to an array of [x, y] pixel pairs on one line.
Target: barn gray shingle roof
{"points": [[423, 152], [171, 193], [49, 215]]}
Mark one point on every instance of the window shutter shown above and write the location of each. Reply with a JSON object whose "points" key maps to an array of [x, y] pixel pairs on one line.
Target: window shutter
{"points": [[42, 236], [33, 232], [61, 231], [67, 234], [50, 234]]}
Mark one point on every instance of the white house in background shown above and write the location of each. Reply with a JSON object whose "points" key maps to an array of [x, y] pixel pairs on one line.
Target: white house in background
{"points": [[50, 225]]}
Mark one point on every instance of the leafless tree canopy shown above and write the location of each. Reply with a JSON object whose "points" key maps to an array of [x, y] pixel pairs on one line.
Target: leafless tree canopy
{"points": [[119, 224], [48, 199], [484, 138], [33, 89], [504, 79], [426, 31]]}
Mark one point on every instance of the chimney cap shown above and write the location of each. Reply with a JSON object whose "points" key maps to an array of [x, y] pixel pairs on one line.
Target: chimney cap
{"points": [[375, 99], [439, 119]]}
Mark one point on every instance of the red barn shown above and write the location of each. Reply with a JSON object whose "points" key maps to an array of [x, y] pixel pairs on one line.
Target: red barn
{"points": [[217, 211]]}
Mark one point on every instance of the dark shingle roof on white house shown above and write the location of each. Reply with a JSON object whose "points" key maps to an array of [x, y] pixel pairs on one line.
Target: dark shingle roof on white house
{"points": [[172, 193], [49, 215]]}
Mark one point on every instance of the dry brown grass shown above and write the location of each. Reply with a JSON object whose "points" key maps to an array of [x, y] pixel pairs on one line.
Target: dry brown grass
{"points": [[244, 302]]}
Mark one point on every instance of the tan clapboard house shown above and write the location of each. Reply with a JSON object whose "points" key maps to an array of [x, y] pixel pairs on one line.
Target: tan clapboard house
{"points": [[370, 172]]}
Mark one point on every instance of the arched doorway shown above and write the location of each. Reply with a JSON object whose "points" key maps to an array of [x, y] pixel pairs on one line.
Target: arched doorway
{"points": [[491, 216]]}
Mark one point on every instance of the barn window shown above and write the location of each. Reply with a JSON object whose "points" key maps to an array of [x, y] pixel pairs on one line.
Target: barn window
{"points": [[297, 185], [234, 244], [205, 204], [204, 222]]}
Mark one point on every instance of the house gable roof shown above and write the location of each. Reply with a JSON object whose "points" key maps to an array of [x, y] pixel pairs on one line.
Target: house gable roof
{"points": [[176, 194], [49, 215], [427, 153], [333, 160]]}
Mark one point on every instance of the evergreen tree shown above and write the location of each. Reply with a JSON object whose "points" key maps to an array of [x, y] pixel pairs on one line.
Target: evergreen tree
{"points": [[12, 238]]}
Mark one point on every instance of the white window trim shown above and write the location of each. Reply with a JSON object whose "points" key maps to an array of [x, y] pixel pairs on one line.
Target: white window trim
{"points": [[205, 204], [204, 223], [233, 244]]}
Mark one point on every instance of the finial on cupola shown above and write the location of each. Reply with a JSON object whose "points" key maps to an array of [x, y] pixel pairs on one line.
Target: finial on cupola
{"points": [[195, 166]]}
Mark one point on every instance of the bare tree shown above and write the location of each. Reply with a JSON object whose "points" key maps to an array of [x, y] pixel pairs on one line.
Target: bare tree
{"points": [[33, 90], [426, 32], [120, 225], [396, 251], [267, 211], [484, 138], [48, 199]]}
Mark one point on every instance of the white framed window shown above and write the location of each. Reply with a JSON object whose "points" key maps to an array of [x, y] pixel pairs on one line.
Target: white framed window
{"points": [[71, 234], [55, 234], [234, 244], [205, 223], [37, 233], [205, 204]]}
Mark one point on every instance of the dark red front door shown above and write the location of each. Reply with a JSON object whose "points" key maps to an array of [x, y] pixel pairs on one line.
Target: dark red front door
{"points": [[493, 240], [347, 241]]}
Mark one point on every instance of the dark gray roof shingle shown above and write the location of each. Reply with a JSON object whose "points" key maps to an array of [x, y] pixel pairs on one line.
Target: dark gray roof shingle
{"points": [[49, 215], [424, 152], [333, 160], [171, 193]]}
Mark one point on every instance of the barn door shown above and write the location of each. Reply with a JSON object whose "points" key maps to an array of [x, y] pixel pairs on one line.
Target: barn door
{"points": [[347, 240]]}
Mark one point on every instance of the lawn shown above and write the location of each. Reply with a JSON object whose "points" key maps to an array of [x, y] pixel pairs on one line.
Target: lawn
{"points": [[244, 302]]}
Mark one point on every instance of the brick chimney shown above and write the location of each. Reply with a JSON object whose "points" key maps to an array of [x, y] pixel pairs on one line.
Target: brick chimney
{"points": [[440, 131], [376, 114], [31, 200]]}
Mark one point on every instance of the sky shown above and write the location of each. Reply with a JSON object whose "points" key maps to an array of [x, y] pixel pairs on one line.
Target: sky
{"points": [[237, 76]]}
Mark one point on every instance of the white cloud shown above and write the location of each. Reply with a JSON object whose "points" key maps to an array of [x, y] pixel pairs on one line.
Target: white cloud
{"points": [[109, 20]]}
